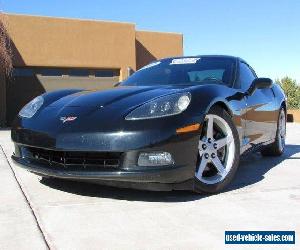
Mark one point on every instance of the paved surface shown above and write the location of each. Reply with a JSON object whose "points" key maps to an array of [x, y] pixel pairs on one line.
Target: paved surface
{"points": [[37, 214]]}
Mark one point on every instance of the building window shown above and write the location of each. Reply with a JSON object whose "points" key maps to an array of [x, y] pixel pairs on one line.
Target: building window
{"points": [[58, 72], [106, 73], [79, 72], [22, 72], [51, 72]]}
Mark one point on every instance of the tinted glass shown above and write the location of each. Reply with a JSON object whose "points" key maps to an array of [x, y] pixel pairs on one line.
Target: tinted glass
{"points": [[51, 72], [79, 72], [198, 70], [246, 76], [199, 76], [105, 73], [23, 72]]}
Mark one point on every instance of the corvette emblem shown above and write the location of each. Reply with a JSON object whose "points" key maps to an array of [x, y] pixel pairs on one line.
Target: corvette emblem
{"points": [[68, 118]]}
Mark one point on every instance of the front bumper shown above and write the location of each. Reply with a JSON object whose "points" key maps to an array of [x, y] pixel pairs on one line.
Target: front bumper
{"points": [[162, 179], [180, 175]]}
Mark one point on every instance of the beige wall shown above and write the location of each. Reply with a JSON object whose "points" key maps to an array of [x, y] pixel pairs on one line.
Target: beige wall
{"points": [[43, 41], [60, 42], [157, 45]]}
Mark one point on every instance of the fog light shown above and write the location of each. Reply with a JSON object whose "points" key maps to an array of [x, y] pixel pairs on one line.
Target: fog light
{"points": [[155, 159]]}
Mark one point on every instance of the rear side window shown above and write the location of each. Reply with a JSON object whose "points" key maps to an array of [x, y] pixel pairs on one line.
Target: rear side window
{"points": [[246, 76]]}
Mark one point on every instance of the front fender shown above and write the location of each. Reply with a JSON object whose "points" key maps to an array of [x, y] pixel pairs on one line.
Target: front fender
{"points": [[204, 98]]}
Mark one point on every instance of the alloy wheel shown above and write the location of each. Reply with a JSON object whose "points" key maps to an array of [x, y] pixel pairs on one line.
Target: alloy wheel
{"points": [[216, 150]]}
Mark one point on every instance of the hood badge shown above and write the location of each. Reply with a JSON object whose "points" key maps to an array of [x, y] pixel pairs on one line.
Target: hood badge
{"points": [[68, 118]]}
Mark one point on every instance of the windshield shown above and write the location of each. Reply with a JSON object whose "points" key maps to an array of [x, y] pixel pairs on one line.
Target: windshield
{"points": [[187, 70]]}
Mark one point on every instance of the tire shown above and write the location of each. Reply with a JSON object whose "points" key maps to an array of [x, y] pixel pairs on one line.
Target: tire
{"points": [[277, 147], [228, 155]]}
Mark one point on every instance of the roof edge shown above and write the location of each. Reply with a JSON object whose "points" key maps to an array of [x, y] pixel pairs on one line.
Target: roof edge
{"points": [[68, 18], [160, 32]]}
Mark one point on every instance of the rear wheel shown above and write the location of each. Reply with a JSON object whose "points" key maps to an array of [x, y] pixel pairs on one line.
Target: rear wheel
{"points": [[218, 154], [277, 147]]}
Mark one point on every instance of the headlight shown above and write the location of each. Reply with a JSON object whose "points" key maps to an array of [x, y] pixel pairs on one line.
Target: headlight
{"points": [[164, 106], [32, 107]]}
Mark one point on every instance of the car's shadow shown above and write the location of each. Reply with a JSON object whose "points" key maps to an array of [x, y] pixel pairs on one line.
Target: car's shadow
{"points": [[252, 170], [254, 167]]}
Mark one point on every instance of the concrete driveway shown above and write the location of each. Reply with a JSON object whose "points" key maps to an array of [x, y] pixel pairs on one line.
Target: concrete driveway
{"points": [[38, 214]]}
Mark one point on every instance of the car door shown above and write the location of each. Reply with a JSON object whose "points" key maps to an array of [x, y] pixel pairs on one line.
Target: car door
{"points": [[260, 112]]}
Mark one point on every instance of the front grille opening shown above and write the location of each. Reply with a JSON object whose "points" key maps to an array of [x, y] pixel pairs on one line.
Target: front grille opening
{"points": [[73, 160]]}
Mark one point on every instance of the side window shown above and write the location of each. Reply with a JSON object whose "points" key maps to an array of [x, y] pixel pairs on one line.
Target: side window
{"points": [[246, 76]]}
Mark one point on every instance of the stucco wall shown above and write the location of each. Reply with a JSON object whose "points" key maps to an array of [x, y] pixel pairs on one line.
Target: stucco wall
{"points": [[60, 42], [43, 41], [156, 45]]}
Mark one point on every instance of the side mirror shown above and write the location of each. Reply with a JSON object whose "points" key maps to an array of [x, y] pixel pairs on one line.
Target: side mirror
{"points": [[259, 83]]}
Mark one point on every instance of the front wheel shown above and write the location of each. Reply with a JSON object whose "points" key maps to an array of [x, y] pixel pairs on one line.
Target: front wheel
{"points": [[218, 152]]}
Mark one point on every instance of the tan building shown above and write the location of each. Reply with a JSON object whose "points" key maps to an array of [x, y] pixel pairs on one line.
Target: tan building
{"points": [[54, 53]]}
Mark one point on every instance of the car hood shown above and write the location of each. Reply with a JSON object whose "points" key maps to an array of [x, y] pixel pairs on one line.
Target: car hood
{"points": [[130, 96], [90, 111]]}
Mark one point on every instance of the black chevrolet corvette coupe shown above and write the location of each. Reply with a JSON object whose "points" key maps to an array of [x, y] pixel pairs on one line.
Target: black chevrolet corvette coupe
{"points": [[177, 123]]}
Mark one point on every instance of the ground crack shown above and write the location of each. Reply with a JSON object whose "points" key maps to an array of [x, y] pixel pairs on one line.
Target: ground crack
{"points": [[27, 200]]}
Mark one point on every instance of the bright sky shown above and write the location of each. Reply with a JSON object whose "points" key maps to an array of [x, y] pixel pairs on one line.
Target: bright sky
{"points": [[266, 33]]}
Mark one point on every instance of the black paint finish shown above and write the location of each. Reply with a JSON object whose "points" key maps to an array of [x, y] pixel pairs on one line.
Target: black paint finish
{"points": [[101, 127]]}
